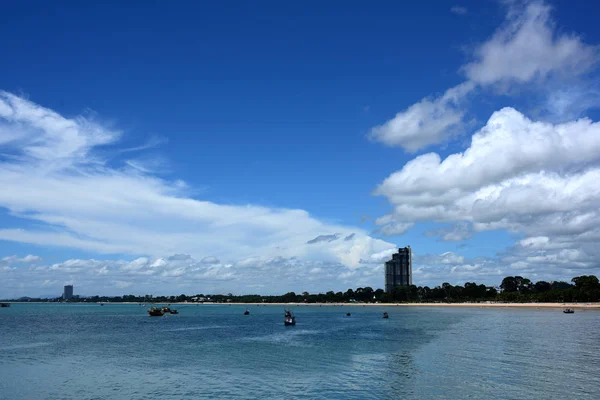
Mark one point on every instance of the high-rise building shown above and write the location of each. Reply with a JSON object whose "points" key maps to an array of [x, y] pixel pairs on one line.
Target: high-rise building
{"points": [[398, 270], [68, 292]]}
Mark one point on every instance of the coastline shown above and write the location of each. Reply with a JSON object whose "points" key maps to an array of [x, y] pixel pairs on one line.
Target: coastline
{"points": [[524, 305], [479, 305]]}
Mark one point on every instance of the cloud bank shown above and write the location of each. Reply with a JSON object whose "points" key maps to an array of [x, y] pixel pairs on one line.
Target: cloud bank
{"points": [[533, 177], [51, 173]]}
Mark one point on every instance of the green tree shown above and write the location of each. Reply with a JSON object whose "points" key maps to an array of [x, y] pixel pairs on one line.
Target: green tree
{"points": [[509, 284], [542, 286]]}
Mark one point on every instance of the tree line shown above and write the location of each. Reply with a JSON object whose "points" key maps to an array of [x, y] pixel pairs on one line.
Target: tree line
{"points": [[513, 289]]}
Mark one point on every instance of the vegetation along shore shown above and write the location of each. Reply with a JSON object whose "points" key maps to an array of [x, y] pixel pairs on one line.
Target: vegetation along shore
{"points": [[514, 290]]}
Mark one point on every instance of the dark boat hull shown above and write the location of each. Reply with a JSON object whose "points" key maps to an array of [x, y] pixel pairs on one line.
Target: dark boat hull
{"points": [[156, 312]]}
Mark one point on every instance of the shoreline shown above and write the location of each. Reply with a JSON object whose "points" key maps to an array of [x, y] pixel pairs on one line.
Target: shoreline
{"points": [[480, 305]]}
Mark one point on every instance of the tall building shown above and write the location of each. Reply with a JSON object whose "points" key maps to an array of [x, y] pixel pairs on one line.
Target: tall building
{"points": [[398, 270], [68, 292]]}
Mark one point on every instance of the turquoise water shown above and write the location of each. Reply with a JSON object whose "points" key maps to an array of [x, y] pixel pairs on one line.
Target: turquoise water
{"points": [[209, 351]]}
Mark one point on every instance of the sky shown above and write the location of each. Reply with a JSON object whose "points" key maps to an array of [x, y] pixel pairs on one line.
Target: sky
{"points": [[167, 148]]}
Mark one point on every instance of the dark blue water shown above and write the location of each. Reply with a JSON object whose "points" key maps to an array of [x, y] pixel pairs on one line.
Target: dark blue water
{"points": [[208, 351]]}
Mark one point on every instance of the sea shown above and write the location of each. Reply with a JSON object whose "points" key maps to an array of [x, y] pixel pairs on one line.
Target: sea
{"points": [[88, 351]]}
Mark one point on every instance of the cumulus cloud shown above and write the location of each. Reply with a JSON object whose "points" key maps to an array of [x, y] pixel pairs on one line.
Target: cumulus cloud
{"points": [[528, 48], [508, 145], [525, 49], [55, 176], [427, 122], [529, 177], [173, 275], [513, 167]]}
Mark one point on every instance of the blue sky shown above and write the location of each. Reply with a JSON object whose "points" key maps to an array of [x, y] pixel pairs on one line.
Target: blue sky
{"points": [[296, 113]]}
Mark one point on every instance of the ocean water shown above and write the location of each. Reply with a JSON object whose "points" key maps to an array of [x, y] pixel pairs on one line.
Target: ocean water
{"points": [[215, 352]]}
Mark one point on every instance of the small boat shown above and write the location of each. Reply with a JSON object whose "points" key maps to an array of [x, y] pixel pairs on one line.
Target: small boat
{"points": [[385, 315], [174, 311], [569, 311], [101, 304], [4, 305], [166, 310], [156, 312], [348, 314], [246, 312], [289, 319]]}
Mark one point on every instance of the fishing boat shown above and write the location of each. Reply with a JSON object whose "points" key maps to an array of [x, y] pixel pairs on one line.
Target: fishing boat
{"points": [[569, 311], [246, 312], [155, 312], [290, 319], [385, 315]]}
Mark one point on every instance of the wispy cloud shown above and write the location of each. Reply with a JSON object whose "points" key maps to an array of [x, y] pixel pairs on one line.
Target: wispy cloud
{"points": [[79, 200], [459, 10], [153, 141]]}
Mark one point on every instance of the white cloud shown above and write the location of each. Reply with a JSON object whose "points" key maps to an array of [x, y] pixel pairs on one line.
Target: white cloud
{"points": [[509, 144], [175, 275], [528, 48], [427, 122], [525, 49], [45, 136], [21, 260], [81, 201], [536, 179]]}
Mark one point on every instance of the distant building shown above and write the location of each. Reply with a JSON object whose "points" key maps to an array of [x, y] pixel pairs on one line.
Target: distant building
{"points": [[68, 292], [398, 270]]}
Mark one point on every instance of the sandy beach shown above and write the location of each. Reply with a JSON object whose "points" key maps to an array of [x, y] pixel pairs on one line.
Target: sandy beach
{"points": [[513, 305]]}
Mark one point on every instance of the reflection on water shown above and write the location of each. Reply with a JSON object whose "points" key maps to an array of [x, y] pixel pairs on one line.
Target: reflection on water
{"points": [[117, 352]]}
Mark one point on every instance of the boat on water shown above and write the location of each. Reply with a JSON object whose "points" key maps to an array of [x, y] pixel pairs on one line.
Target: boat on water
{"points": [[569, 311], [247, 312], [4, 305], [174, 311], [385, 315], [156, 312], [289, 319], [166, 309], [348, 314]]}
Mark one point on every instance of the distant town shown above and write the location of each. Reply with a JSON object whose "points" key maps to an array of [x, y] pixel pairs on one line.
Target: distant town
{"points": [[399, 288]]}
